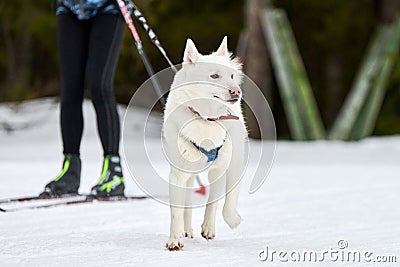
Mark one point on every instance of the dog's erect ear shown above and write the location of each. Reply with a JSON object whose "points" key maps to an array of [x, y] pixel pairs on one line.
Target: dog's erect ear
{"points": [[191, 55], [223, 48]]}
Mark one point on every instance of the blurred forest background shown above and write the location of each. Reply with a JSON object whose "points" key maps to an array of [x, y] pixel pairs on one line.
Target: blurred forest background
{"points": [[332, 37]]}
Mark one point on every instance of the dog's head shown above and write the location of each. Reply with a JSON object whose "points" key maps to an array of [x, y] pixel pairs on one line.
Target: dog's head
{"points": [[218, 75]]}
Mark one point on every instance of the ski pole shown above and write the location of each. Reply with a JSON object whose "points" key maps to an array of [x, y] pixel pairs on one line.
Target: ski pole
{"points": [[139, 46], [146, 62], [153, 37]]}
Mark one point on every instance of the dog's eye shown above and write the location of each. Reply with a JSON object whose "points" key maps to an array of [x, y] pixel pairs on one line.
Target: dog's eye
{"points": [[215, 76], [232, 76]]}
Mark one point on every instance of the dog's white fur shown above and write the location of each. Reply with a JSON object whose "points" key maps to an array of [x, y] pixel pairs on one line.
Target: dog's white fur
{"points": [[196, 86]]}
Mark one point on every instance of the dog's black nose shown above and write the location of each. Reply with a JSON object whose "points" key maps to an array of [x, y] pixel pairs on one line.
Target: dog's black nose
{"points": [[234, 92]]}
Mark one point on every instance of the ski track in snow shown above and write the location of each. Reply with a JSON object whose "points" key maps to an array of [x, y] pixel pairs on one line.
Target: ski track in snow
{"points": [[317, 193]]}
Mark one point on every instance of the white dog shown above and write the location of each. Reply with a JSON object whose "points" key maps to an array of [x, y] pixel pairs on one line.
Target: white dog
{"points": [[204, 130]]}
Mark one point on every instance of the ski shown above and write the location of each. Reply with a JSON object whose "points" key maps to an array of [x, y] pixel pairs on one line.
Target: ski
{"points": [[32, 198], [66, 201]]}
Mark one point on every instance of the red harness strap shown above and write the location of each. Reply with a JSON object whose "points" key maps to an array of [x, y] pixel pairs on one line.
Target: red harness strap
{"points": [[223, 117]]}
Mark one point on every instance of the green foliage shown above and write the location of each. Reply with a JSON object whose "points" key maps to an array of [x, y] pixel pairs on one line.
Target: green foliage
{"points": [[206, 22], [323, 29], [340, 30], [28, 54], [389, 118], [28, 60], [388, 124]]}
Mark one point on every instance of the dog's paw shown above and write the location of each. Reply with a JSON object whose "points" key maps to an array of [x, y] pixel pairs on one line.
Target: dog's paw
{"points": [[207, 230], [174, 244], [189, 233], [233, 219]]}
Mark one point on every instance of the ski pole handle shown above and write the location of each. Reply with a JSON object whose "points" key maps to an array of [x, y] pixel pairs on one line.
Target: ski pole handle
{"points": [[129, 22]]}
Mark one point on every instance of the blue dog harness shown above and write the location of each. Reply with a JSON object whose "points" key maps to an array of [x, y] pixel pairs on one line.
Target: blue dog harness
{"points": [[211, 154]]}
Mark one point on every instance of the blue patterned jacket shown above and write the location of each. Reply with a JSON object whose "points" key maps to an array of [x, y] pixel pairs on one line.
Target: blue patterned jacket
{"points": [[87, 9]]}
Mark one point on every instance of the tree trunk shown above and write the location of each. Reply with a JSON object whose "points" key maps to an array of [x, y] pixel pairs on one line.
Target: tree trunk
{"points": [[18, 45], [387, 10], [11, 74], [256, 63], [334, 87]]}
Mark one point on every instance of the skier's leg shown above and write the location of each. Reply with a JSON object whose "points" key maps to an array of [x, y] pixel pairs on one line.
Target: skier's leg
{"points": [[105, 38], [72, 50]]}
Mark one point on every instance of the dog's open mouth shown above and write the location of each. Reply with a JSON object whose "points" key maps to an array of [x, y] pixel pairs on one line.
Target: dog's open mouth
{"points": [[231, 100]]}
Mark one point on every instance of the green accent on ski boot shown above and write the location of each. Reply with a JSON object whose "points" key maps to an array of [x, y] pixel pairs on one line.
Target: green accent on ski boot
{"points": [[108, 186], [104, 171], [65, 167]]}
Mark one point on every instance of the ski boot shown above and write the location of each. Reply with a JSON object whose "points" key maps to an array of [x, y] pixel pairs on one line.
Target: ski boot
{"points": [[68, 181], [111, 181]]}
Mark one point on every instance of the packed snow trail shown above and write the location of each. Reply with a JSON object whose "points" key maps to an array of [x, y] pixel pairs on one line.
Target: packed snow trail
{"points": [[318, 193]]}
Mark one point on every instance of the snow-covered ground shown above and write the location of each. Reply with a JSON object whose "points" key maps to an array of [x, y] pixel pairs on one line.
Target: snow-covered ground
{"points": [[317, 194]]}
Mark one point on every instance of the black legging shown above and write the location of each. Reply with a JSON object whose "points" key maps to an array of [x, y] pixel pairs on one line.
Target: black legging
{"points": [[88, 52]]}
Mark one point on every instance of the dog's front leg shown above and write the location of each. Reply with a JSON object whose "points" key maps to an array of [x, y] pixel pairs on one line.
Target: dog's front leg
{"points": [[188, 208], [177, 182], [216, 180], [229, 211], [233, 176]]}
